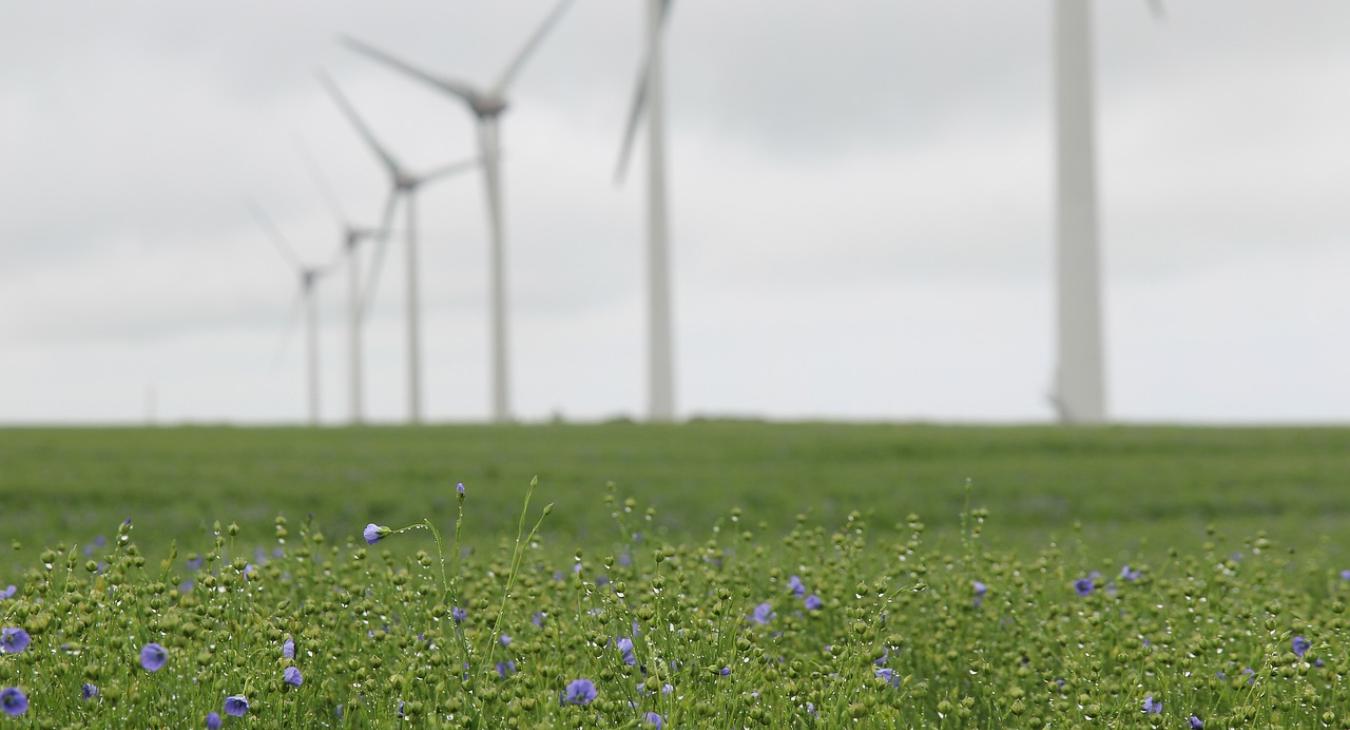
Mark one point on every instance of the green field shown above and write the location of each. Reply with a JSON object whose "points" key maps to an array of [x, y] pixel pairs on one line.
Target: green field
{"points": [[1130, 487], [734, 575]]}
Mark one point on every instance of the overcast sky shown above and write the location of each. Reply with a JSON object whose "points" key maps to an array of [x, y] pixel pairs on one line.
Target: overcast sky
{"points": [[861, 198]]}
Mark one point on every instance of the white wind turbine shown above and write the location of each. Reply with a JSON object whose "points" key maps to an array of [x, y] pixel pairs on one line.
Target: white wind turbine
{"points": [[402, 184], [649, 98], [308, 277], [351, 238], [1079, 393], [487, 105]]}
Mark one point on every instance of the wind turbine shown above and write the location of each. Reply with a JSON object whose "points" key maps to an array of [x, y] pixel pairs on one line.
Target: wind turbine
{"points": [[308, 277], [351, 238], [1079, 393], [402, 184], [649, 97], [487, 105]]}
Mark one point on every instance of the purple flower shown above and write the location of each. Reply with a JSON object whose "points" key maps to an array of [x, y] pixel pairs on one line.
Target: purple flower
{"points": [[1083, 586], [979, 588], [292, 677], [1299, 644], [1197, 723], [236, 705], [1152, 706], [195, 562], [762, 614], [1345, 575], [506, 668], [153, 657], [625, 560], [13, 640], [795, 585], [1130, 574], [538, 618], [9, 592], [459, 489], [458, 614], [654, 720], [213, 721], [288, 648], [504, 639], [579, 692], [888, 675], [88, 691], [13, 701], [625, 646], [813, 602], [724, 671], [186, 586], [374, 533]]}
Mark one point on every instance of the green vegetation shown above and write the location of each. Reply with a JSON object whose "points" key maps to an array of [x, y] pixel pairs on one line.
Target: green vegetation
{"points": [[735, 575]]}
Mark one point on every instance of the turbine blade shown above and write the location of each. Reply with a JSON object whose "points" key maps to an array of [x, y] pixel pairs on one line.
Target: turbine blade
{"points": [[289, 327], [450, 169], [450, 86], [635, 112], [531, 45], [274, 234], [381, 243], [350, 112], [320, 181]]}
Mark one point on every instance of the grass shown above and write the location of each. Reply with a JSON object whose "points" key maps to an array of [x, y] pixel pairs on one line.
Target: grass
{"points": [[732, 575]]}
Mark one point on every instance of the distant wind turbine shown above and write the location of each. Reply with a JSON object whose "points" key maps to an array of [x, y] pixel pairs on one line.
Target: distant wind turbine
{"points": [[351, 238], [309, 276], [649, 97], [1079, 393], [402, 184], [487, 105]]}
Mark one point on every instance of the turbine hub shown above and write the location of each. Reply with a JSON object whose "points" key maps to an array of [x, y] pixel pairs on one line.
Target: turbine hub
{"points": [[488, 106]]}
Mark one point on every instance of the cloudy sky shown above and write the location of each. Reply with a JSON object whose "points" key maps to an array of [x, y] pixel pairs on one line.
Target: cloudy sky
{"points": [[861, 195]]}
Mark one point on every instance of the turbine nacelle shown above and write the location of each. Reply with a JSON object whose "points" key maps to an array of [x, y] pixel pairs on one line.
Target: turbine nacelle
{"points": [[488, 105]]}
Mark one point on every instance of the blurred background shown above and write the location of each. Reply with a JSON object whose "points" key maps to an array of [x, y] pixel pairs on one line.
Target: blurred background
{"points": [[861, 202]]}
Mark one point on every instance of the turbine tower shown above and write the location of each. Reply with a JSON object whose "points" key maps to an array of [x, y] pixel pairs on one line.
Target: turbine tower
{"points": [[649, 97], [487, 105], [402, 184], [351, 237], [1079, 393], [308, 277]]}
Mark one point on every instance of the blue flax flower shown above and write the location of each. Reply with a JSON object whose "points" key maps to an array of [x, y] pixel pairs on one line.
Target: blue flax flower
{"points": [[579, 692], [654, 720], [795, 585], [10, 590], [813, 602], [506, 668], [88, 692], [153, 657], [1130, 574], [1152, 706], [236, 705], [458, 614], [288, 648], [13, 701], [292, 677], [762, 614], [13, 640], [374, 533], [1083, 586], [213, 721], [888, 674], [1197, 723], [625, 646], [1299, 644]]}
